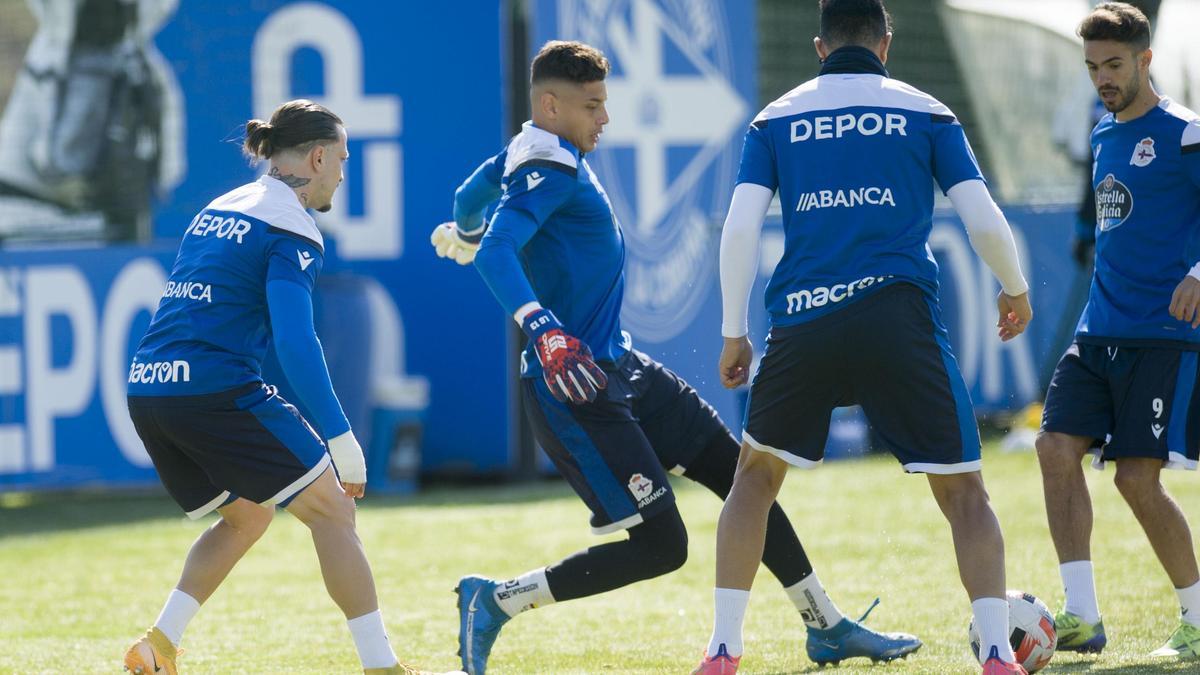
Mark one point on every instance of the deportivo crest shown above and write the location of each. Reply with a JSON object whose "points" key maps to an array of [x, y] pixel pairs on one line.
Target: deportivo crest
{"points": [[669, 156], [1143, 152], [640, 486], [1114, 203]]}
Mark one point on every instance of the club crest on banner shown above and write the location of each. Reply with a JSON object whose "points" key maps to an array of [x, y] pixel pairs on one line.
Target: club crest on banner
{"points": [[669, 155]]}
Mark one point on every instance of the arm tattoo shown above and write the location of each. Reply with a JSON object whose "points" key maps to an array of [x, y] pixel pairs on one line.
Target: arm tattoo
{"points": [[287, 178]]}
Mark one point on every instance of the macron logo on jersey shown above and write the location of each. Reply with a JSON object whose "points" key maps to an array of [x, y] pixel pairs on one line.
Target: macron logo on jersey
{"points": [[823, 295], [824, 199], [533, 180], [160, 372], [305, 259]]}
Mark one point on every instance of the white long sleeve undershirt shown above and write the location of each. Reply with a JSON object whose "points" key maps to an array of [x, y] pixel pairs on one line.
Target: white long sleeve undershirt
{"points": [[739, 255], [989, 233]]}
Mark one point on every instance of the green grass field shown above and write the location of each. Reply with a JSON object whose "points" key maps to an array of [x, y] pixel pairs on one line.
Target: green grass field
{"points": [[83, 575]]}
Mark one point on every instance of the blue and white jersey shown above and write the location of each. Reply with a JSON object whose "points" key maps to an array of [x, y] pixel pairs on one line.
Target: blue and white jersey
{"points": [[853, 155], [1147, 180], [556, 220], [211, 330]]}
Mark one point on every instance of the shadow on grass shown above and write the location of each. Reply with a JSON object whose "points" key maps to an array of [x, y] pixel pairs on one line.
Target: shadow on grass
{"points": [[1076, 667], [26, 514], [43, 513], [1140, 669]]}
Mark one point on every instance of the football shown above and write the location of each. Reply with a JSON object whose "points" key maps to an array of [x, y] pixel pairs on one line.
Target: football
{"points": [[1031, 631]]}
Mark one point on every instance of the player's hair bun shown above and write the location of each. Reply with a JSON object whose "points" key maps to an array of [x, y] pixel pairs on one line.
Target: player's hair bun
{"points": [[295, 126], [258, 139]]}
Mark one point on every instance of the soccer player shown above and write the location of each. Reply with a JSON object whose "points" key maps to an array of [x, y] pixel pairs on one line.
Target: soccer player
{"points": [[614, 421], [853, 305], [1127, 387], [220, 438]]}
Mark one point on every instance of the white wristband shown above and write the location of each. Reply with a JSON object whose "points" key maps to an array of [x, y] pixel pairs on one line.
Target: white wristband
{"points": [[1195, 271], [348, 458]]}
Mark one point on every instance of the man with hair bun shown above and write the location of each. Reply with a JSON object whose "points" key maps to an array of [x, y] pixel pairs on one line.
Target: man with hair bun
{"points": [[222, 439], [1126, 389]]}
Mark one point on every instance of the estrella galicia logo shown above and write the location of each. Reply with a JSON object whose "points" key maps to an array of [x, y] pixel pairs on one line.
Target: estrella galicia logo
{"points": [[1114, 203], [669, 154]]}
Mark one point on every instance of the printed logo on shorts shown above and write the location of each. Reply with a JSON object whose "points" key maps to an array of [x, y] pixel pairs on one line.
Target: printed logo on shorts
{"points": [[1114, 203], [1143, 153], [640, 486], [1156, 429], [643, 490]]}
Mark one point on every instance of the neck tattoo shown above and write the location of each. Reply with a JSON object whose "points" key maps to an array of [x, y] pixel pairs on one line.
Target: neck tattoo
{"points": [[287, 178]]}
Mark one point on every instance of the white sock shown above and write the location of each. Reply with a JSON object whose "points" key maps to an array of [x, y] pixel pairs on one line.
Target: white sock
{"points": [[523, 593], [1080, 586], [371, 641], [176, 614], [1189, 603], [991, 620], [730, 610], [813, 603]]}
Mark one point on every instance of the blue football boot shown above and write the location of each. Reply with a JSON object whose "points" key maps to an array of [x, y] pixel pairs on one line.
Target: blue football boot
{"points": [[848, 639], [479, 621]]}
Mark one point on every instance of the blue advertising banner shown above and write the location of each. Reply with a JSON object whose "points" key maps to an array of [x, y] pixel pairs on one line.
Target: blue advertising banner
{"points": [[69, 323], [411, 339], [421, 112], [680, 96], [404, 331]]}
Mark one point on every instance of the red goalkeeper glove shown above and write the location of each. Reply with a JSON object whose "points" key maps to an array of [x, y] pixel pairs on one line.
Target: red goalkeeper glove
{"points": [[567, 365]]}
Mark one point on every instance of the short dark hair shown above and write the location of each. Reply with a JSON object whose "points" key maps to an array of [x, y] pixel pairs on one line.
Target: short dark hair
{"points": [[298, 124], [568, 60], [1117, 21], [854, 22]]}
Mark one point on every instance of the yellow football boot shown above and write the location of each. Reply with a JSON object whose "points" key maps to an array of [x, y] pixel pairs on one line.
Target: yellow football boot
{"points": [[152, 655]]}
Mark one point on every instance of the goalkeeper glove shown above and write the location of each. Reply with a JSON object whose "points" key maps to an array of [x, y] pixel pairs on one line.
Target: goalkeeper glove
{"points": [[450, 242], [348, 458], [567, 364]]}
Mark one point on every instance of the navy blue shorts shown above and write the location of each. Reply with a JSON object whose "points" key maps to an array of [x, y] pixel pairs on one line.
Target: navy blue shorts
{"points": [[887, 352], [616, 451], [1132, 401], [213, 448]]}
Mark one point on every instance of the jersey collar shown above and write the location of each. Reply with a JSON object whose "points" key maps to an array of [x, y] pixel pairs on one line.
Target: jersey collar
{"points": [[561, 141], [853, 60]]}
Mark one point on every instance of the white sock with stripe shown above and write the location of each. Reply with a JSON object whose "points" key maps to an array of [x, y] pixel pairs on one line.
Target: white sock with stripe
{"points": [[526, 592], [728, 614], [991, 620], [815, 607]]}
